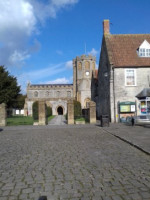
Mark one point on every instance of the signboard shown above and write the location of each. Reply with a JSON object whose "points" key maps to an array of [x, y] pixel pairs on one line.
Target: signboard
{"points": [[132, 108], [126, 107]]}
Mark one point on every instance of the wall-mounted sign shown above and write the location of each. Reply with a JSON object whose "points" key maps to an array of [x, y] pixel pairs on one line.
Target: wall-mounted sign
{"points": [[126, 107]]}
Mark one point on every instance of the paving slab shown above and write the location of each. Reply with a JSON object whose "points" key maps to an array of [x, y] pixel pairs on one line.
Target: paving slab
{"points": [[138, 136]]}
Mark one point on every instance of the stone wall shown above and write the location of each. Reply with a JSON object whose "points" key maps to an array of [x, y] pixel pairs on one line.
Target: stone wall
{"points": [[2, 114], [49, 92], [70, 112], [128, 93], [92, 112]]}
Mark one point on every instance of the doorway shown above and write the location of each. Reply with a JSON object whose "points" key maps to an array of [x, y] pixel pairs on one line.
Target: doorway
{"points": [[60, 110]]}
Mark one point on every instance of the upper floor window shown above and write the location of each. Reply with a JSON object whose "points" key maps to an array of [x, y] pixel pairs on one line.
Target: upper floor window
{"points": [[58, 94], [144, 49], [68, 94], [35, 94], [47, 93], [130, 79]]}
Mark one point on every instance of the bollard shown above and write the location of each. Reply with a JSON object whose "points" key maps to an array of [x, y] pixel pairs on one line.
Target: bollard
{"points": [[43, 198]]}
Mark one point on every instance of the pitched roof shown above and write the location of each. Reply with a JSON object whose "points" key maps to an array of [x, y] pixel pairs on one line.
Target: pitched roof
{"points": [[122, 50]]}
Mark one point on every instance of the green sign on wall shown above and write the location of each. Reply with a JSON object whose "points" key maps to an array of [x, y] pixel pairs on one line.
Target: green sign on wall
{"points": [[126, 107]]}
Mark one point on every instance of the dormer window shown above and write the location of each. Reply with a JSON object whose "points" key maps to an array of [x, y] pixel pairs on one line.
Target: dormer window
{"points": [[144, 49]]}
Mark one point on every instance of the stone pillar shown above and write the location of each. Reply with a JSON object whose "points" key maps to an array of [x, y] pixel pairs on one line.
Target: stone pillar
{"points": [[2, 114], [70, 112], [42, 113], [92, 112]]}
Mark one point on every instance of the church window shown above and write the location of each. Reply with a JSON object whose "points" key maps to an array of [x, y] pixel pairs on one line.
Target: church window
{"points": [[47, 93], [144, 49], [58, 94], [35, 94], [79, 66], [68, 94], [93, 66], [87, 66]]}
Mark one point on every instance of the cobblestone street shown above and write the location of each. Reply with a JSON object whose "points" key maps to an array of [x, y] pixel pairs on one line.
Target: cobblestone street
{"points": [[70, 163]]}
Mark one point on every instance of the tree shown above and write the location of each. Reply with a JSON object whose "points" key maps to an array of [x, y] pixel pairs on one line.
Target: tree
{"points": [[20, 101], [9, 90]]}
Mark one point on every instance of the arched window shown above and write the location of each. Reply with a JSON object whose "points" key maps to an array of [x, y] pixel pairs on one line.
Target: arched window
{"points": [[58, 94], [68, 94], [47, 93], [79, 66], [87, 66], [36, 94]]}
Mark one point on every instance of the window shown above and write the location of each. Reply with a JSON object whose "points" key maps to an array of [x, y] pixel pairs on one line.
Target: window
{"points": [[144, 52], [68, 94], [47, 93], [58, 94], [144, 49], [130, 77], [35, 94]]}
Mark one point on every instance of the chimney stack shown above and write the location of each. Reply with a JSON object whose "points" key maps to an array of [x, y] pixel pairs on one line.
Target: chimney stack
{"points": [[106, 26]]}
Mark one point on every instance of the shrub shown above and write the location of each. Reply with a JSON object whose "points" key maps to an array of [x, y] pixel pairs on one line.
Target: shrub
{"points": [[48, 111], [35, 110], [77, 108]]}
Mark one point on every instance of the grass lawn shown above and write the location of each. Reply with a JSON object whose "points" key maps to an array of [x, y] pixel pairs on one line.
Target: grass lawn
{"points": [[50, 117], [19, 120], [80, 119]]}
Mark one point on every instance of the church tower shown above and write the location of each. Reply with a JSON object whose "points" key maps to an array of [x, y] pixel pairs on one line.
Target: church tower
{"points": [[82, 74]]}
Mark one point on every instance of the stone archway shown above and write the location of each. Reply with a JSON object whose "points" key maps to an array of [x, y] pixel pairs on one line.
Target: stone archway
{"points": [[86, 102], [60, 110]]}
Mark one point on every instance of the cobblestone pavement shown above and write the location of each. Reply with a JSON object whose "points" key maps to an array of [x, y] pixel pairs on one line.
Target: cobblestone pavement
{"points": [[58, 120], [136, 135], [71, 163]]}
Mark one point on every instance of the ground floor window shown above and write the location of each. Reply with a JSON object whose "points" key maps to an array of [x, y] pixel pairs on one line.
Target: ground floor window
{"points": [[145, 106]]}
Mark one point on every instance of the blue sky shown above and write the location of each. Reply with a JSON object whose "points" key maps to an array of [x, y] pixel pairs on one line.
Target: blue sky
{"points": [[39, 38]]}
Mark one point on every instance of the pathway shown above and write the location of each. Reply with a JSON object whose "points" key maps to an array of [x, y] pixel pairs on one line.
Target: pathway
{"points": [[58, 120]]}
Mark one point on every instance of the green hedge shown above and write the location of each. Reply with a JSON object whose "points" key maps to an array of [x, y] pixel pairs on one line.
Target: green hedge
{"points": [[48, 111], [77, 109], [35, 110]]}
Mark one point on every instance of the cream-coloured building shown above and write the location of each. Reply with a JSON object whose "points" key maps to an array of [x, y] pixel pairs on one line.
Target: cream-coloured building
{"points": [[57, 95]]}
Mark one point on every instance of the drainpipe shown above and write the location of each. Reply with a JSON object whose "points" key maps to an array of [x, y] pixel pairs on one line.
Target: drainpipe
{"points": [[114, 94]]}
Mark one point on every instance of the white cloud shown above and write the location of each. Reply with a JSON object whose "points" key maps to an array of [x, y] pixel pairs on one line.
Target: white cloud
{"points": [[93, 52], [44, 11], [69, 64], [17, 22], [37, 76], [59, 52], [18, 56], [59, 81], [19, 19]]}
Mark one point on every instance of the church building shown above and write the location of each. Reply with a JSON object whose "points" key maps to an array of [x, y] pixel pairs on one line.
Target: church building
{"points": [[57, 95]]}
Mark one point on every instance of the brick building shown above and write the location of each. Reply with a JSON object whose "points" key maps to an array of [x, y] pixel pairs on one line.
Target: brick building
{"points": [[124, 71]]}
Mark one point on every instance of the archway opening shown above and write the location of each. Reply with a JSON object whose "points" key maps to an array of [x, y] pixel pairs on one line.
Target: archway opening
{"points": [[60, 110]]}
